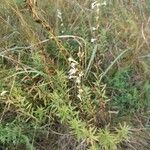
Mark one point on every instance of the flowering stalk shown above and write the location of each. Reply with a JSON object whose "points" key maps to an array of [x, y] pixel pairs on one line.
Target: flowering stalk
{"points": [[95, 6], [59, 17], [75, 74]]}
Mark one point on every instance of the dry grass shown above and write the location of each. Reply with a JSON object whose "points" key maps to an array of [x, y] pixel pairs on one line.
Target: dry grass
{"points": [[109, 44]]}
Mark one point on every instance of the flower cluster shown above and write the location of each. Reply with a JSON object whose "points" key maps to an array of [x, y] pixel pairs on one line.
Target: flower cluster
{"points": [[59, 15], [95, 6], [75, 74]]}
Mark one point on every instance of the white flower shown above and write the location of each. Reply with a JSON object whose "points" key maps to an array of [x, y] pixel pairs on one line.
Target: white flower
{"points": [[61, 24], [80, 91], [81, 74], [72, 60], [59, 14], [97, 4], [93, 40], [72, 71], [78, 80], [94, 28], [73, 65], [79, 96], [72, 77]]}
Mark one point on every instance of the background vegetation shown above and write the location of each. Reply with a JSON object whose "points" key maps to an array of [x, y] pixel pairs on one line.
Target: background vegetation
{"points": [[74, 75]]}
